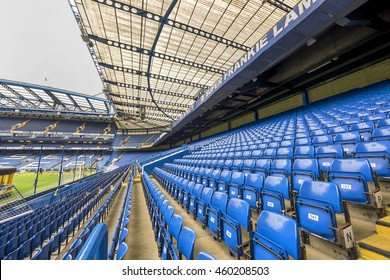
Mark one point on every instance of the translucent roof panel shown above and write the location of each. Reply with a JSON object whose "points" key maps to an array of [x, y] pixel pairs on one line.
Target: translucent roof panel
{"points": [[17, 95], [158, 55]]}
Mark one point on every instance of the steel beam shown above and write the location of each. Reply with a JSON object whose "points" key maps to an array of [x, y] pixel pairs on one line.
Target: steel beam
{"points": [[149, 100], [173, 23], [155, 54], [147, 89], [154, 76]]}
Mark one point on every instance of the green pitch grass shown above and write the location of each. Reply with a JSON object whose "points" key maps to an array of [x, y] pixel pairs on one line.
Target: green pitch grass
{"points": [[24, 181]]}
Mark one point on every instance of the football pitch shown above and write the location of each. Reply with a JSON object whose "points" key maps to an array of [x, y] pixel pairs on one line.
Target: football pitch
{"points": [[24, 181]]}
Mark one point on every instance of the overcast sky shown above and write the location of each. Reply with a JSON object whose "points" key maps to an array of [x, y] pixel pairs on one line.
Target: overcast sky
{"points": [[40, 39]]}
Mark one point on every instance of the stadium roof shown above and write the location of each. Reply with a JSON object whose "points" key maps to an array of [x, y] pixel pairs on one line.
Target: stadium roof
{"points": [[156, 57], [29, 98]]}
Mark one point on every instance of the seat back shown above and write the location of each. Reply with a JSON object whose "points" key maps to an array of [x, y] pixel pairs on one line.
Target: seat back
{"points": [[304, 169], [378, 154], [316, 206], [282, 231], [326, 155], [256, 154], [186, 243], [122, 250], [263, 166], [281, 167], [275, 191], [254, 180], [304, 152], [269, 153], [238, 209], [352, 176], [322, 140], [219, 200], [168, 214], [175, 225], [380, 134], [238, 214]]}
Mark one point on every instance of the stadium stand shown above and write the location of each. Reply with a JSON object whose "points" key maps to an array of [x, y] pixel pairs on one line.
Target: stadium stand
{"points": [[260, 161]]}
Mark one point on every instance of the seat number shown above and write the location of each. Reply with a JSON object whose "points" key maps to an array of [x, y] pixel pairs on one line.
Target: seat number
{"points": [[228, 234], [346, 186], [270, 204], [313, 217], [300, 181], [212, 219], [248, 196]]}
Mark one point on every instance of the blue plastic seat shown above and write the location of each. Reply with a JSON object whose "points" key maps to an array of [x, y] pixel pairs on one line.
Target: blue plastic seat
{"points": [[365, 130], [383, 122], [302, 141], [238, 214], [304, 169], [251, 189], [175, 225], [287, 143], [248, 166], [318, 132], [186, 243], [13, 244], [284, 152], [378, 154], [206, 176], [276, 238], [281, 167], [14, 255], [322, 140], [326, 155], [203, 256], [304, 152], [202, 205], [217, 207], [274, 145], [168, 214], [237, 165], [274, 193], [224, 180], [269, 153], [122, 250], [381, 134], [186, 194], [25, 249], [44, 253], [228, 164], [235, 184], [263, 166], [353, 176], [338, 129], [348, 140], [193, 198], [374, 118], [256, 154], [316, 208], [214, 178]]}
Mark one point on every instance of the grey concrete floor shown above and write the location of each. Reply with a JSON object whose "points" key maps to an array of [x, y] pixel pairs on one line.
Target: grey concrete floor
{"points": [[204, 239], [140, 239]]}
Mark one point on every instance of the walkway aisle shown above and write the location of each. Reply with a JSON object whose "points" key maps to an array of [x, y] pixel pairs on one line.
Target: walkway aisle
{"points": [[112, 218], [204, 239], [140, 239]]}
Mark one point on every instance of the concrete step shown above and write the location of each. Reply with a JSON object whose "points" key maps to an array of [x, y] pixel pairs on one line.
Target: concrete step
{"points": [[375, 247], [383, 226]]}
